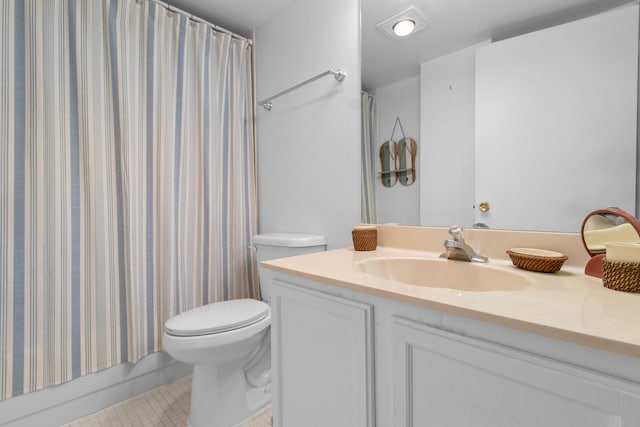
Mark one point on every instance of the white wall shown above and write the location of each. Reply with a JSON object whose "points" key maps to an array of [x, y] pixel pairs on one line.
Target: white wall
{"points": [[309, 143], [399, 203], [447, 127]]}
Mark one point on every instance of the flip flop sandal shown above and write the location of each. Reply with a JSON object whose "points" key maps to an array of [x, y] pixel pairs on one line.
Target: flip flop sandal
{"points": [[407, 160], [388, 159]]}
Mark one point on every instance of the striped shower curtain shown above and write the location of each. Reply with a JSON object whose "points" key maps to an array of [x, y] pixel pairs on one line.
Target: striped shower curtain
{"points": [[127, 182], [368, 203]]}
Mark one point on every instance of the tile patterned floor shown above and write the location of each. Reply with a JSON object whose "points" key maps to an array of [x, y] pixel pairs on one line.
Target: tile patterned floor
{"points": [[166, 406]]}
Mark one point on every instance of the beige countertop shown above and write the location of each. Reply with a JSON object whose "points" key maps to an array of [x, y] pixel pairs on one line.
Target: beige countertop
{"points": [[566, 305]]}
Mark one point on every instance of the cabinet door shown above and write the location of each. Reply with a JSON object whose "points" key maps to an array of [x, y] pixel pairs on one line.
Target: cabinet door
{"points": [[322, 359], [443, 379]]}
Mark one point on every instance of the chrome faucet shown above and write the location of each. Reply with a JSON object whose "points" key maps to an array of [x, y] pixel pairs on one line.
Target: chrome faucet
{"points": [[457, 249]]}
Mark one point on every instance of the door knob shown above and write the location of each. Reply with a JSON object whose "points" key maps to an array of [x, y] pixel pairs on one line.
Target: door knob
{"points": [[484, 207]]}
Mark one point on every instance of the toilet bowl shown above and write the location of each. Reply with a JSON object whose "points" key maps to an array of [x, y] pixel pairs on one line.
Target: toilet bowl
{"points": [[229, 343], [219, 340]]}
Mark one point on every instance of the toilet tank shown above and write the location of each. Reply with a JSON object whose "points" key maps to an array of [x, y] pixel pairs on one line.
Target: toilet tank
{"points": [[280, 245]]}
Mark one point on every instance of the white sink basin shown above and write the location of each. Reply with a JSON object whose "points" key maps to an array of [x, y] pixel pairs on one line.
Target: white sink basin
{"points": [[442, 273]]}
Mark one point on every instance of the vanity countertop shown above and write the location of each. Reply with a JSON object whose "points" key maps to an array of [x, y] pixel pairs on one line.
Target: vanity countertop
{"points": [[567, 305]]}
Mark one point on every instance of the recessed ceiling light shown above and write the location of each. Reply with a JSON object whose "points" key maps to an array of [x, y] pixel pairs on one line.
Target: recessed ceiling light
{"points": [[404, 27], [401, 24]]}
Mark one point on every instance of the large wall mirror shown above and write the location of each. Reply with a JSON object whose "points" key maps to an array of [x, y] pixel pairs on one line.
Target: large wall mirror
{"points": [[541, 123]]}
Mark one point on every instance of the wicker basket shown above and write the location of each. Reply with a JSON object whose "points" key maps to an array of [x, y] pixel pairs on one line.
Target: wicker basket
{"points": [[365, 240], [621, 276], [541, 264]]}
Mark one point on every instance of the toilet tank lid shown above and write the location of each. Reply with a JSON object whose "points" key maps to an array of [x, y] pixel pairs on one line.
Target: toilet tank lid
{"points": [[289, 240]]}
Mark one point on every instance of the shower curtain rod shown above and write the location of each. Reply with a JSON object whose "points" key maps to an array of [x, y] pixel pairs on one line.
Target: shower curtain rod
{"points": [[200, 20], [339, 75]]}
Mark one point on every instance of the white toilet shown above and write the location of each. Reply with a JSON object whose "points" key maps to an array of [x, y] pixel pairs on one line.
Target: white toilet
{"points": [[229, 342]]}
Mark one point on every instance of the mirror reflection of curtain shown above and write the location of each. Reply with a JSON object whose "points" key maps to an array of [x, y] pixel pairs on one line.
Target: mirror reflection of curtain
{"points": [[368, 211], [127, 182]]}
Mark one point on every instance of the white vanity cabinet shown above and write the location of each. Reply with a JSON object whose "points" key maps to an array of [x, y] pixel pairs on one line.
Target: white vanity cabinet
{"points": [[322, 350], [444, 379], [348, 358]]}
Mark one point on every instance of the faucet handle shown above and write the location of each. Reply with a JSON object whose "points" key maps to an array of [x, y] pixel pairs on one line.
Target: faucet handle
{"points": [[457, 233]]}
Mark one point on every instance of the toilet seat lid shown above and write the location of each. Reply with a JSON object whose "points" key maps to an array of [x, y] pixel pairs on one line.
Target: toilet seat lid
{"points": [[217, 317]]}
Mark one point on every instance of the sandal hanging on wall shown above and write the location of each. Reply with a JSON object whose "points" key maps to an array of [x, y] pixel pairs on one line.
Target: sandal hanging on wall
{"points": [[388, 161], [407, 149]]}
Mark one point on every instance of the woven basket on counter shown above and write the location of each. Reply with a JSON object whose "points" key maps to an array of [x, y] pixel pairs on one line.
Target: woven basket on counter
{"points": [[621, 275], [541, 264], [365, 240]]}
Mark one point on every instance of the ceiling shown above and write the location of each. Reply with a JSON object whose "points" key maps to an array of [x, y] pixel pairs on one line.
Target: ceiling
{"points": [[453, 24]]}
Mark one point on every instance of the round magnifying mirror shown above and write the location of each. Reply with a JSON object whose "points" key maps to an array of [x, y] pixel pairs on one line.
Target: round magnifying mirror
{"points": [[607, 226]]}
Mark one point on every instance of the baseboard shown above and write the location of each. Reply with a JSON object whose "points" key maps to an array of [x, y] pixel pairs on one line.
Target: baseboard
{"points": [[58, 405]]}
